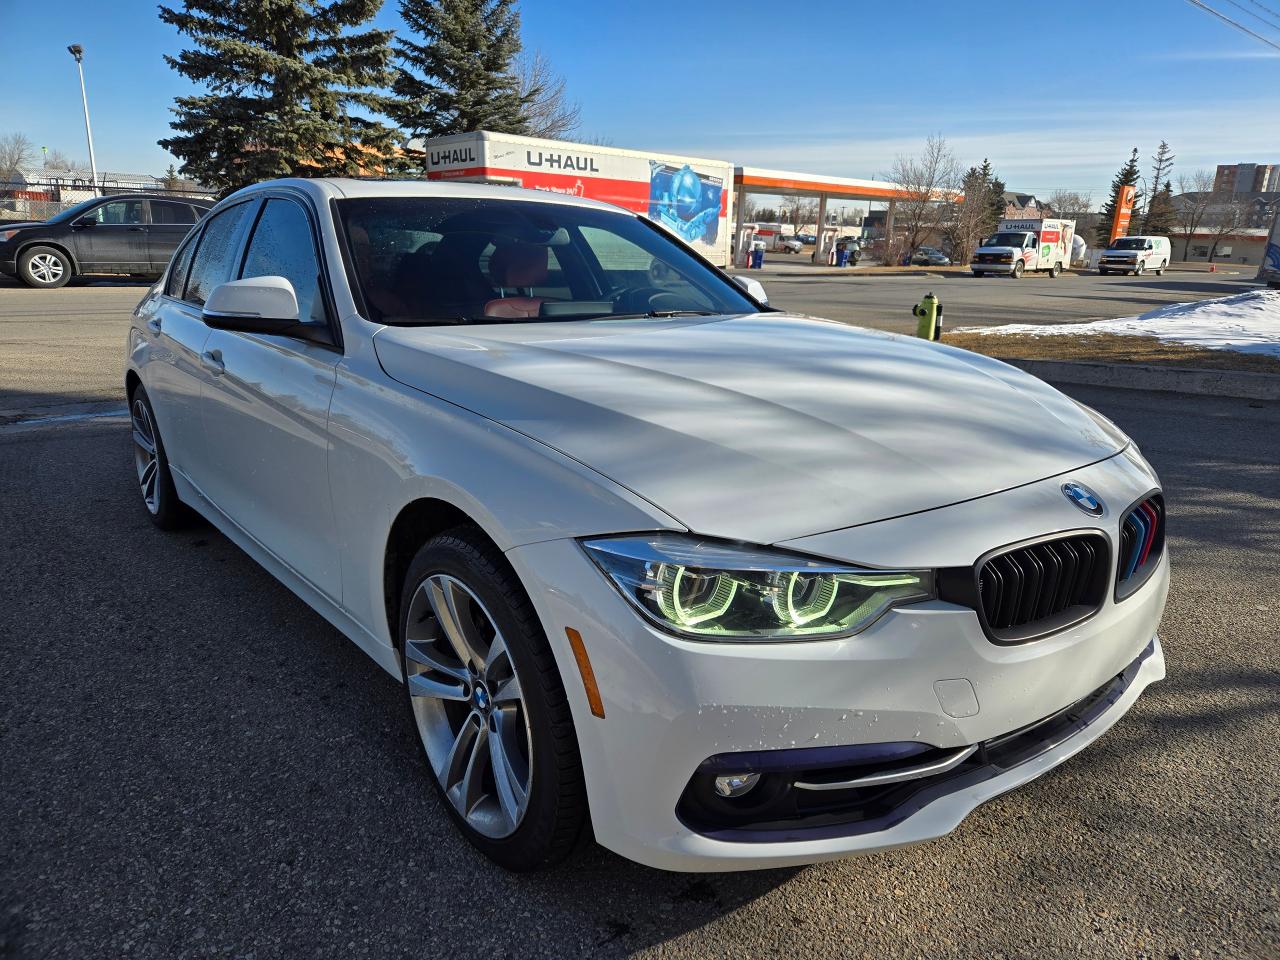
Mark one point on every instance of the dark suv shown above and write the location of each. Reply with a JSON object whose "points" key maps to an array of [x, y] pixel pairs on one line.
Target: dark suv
{"points": [[133, 233]]}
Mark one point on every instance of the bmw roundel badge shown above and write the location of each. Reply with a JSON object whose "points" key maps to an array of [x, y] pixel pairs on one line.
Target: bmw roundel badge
{"points": [[1083, 497]]}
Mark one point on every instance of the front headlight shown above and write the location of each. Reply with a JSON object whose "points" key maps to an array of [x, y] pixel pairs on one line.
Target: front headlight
{"points": [[710, 590], [6, 235]]}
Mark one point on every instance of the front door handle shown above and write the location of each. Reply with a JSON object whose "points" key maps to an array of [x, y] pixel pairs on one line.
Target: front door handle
{"points": [[139, 229], [154, 324], [212, 359]]}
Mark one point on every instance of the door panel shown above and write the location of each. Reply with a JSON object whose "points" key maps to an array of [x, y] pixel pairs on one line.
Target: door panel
{"points": [[114, 240], [174, 376], [265, 410], [170, 222]]}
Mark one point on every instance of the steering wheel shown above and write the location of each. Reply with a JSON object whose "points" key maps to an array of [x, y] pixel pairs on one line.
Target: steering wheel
{"points": [[636, 299]]}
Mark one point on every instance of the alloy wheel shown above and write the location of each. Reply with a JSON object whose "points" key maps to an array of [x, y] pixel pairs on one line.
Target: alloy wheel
{"points": [[45, 267], [146, 455], [469, 708]]}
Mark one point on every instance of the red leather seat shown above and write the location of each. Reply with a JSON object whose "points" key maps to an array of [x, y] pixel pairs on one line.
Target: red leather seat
{"points": [[517, 267]]}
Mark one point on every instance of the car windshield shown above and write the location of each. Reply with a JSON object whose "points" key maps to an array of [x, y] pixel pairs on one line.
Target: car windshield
{"points": [[1129, 243], [1007, 240], [459, 260]]}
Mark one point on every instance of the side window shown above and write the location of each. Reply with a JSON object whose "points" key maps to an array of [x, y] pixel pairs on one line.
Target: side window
{"points": [[166, 212], [213, 261], [119, 212], [178, 268], [282, 246]]}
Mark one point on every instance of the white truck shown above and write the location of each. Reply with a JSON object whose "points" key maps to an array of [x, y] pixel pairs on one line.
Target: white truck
{"points": [[689, 196], [1021, 246], [1135, 255]]}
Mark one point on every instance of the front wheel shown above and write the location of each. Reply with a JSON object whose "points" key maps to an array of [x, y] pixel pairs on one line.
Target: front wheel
{"points": [[488, 703], [44, 267], [1017, 270], [1139, 269], [1103, 273]]}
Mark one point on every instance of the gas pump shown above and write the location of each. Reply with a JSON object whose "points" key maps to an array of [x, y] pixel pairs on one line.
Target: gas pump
{"points": [[825, 251], [746, 235]]}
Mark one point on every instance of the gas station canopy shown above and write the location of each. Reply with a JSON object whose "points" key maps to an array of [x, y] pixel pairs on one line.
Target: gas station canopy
{"points": [[781, 182]]}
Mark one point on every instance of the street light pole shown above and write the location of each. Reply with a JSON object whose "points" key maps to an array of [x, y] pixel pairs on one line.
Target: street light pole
{"points": [[77, 51]]}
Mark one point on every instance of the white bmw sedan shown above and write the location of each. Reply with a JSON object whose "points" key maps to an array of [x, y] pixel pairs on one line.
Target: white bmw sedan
{"points": [[741, 589]]}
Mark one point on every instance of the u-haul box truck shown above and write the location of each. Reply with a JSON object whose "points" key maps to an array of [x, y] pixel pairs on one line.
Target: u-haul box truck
{"points": [[1020, 246], [688, 196]]}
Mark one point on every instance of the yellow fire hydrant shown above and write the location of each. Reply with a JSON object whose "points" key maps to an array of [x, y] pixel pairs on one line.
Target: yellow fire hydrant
{"points": [[929, 312]]}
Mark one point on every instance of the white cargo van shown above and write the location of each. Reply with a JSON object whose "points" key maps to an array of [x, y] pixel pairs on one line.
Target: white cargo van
{"points": [[1021, 246], [1135, 255]]}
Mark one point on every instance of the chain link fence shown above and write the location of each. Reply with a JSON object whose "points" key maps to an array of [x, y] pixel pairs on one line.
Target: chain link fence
{"points": [[41, 199]]}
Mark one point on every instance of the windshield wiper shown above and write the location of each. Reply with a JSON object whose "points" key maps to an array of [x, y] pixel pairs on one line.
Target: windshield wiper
{"points": [[658, 314]]}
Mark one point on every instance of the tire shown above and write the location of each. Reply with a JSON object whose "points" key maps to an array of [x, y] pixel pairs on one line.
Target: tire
{"points": [[155, 481], [1160, 269], [1054, 271], [44, 267], [977, 273], [460, 693], [1017, 270], [1139, 269], [1103, 273]]}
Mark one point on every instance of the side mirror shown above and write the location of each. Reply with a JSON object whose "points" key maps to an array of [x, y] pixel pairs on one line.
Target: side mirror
{"points": [[85, 221], [754, 289], [253, 305]]}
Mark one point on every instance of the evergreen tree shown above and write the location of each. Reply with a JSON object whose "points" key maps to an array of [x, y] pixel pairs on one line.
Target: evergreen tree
{"points": [[1161, 216], [282, 78], [457, 72], [171, 180], [1161, 168], [1127, 176], [997, 205]]}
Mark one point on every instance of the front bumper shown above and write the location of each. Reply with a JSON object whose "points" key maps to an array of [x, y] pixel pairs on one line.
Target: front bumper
{"points": [[9, 267], [991, 267], [671, 704]]}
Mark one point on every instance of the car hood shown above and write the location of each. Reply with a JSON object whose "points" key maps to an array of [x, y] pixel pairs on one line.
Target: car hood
{"points": [[998, 250], [761, 427]]}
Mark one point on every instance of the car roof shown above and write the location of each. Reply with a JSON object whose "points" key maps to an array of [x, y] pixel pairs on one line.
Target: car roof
{"points": [[177, 197], [323, 189]]}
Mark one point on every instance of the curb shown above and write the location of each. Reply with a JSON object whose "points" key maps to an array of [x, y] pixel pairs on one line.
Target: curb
{"points": [[1132, 376]]}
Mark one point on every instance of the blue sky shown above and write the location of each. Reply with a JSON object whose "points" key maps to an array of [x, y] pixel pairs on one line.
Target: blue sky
{"points": [[1055, 94]]}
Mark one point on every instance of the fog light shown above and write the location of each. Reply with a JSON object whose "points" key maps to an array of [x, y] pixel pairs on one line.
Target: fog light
{"points": [[736, 784]]}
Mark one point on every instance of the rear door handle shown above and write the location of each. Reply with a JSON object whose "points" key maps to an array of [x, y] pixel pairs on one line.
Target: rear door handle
{"points": [[212, 359]]}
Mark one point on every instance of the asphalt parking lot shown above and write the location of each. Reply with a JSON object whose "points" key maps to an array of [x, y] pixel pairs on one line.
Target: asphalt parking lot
{"points": [[195, 764], [885, 301]]}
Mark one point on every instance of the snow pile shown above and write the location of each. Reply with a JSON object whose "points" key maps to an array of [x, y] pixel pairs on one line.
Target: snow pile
{"points": [[1247, 322]]}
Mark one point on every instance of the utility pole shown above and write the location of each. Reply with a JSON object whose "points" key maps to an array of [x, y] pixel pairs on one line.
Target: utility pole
{"points": [[77, 51]]}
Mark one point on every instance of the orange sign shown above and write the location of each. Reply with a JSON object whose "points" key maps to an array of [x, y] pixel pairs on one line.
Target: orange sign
{"points": [[1124, 211]]}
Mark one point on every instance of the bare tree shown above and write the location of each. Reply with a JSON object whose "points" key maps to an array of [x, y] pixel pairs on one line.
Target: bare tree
{"points": [[15, 151], [547, 110], [969, 216], [1069, 204], [1226, 214], [799, 211], [1195, 197], [55, 159], [928, 185]]}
